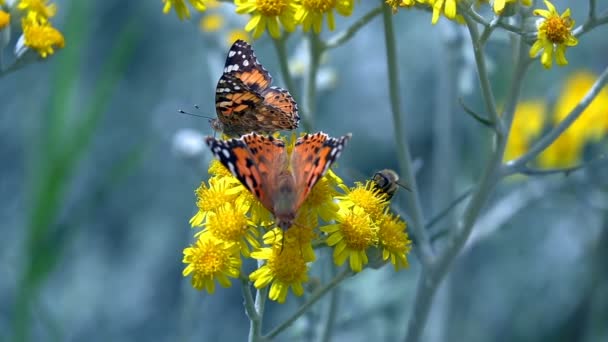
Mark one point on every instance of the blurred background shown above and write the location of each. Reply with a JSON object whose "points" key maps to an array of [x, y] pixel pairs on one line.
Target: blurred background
{"points": [[98, 172]]}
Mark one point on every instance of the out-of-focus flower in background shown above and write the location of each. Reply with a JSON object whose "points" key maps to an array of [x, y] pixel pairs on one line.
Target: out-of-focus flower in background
{"points": [[181, 8], [528, 124], [268, 15], [310, 13]]}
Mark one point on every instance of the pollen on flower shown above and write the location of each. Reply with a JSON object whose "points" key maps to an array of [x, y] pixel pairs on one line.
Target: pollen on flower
{"points": [[365, 196], [209, 198], [42, 37], [285, 267], [210, 259], [230, 223], [394, 241]]}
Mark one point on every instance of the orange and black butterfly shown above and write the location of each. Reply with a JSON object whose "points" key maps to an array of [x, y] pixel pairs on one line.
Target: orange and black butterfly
{"points": [[244, 100]]}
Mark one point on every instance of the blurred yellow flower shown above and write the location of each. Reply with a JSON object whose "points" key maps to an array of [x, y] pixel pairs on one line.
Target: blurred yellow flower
{"points": [[499, 5], [210, 259], [285, 268], [268, 14], [182, 9], [211, 22], [41, 37], [310, 13], [353, 233], [554, 35], [591, 125], [394, 241], [38, 10], [5, 19], [527, 125], [235, 35]]}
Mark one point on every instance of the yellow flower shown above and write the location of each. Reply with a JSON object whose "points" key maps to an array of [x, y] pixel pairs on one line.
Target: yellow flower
{"points": [[394, 241], [527, 126], [5, 19], [229, 223], [211, 22], [499, 5], [554, 35], [591, 125], [285, 267], [39, 10], [447, 6], [182, 9], [235, 35], [366, 196], [310, 13], [219, 192], [320, 201], [268, 14], [300, 234], [41, 37], [210, 259], [393, 4], [353, 233]]}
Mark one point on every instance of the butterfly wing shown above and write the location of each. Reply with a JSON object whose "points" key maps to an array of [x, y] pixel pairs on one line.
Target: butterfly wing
{"points": [[254, 160], [312, 156], [277, 99], [242, 62], [235, 105]]}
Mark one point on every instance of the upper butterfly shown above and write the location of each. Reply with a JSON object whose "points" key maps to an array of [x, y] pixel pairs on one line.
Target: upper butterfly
{"points": [[281, 182], [244, 100]]}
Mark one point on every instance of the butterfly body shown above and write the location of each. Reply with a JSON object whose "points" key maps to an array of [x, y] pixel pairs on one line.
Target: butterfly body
{"points": [[244, 100], [280, 181]]}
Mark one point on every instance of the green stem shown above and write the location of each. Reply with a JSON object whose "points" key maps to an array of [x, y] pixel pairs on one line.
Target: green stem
{"points": [[280, 45], [424, 252], [592, 9], [432, 276], [482, 71], [515, 165], [310, 81], [312, 300], [255, 322], [347, 34], [590, 24], [332, 311]]}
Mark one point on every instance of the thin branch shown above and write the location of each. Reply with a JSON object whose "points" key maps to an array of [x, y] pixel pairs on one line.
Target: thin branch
{"points": [[478, 117], [549, 138], [425, 252], [487, 25], [447, 209], [309, 98], [346, 35], [592, 10], [281, 48], [530, 171], [330, 320], [312, 300], [482, 72], [255, 323], [590, 24]]}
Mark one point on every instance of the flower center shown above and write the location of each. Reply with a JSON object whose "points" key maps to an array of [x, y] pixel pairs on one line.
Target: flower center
{"points": [[229, 224], [358, 231], [271, 7], [287, 265], [320, 6], [558, 29], [210, 259]]}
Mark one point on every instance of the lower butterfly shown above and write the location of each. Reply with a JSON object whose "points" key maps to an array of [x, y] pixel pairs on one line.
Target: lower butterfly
{"points": [[279, 180]]}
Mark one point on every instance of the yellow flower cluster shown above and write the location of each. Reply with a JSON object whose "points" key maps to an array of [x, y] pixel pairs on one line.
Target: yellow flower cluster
{"points": [[530, 121], [232, 224], [38, 33]]}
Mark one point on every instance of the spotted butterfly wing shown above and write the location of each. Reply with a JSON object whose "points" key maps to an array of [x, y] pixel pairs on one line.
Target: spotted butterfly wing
{"points": [[242, 62], [254, 160], [312, 156]]}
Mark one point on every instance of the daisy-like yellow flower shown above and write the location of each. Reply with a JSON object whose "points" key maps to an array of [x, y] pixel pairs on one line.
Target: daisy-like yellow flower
{"points": [[182, 10], [229, 223], [554, 36], [320, 201], [527, 125], [41, 37], [366, 196], [5, 19], [221, 190], [285, 268], [211, 22], [448, 7], [210, 259], [311, 12], [267, 14], [39, 10], [300, 234], [353, 233], [499, 5], [394, 241]]}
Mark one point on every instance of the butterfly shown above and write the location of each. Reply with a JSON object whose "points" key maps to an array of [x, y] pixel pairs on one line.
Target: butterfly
{"points": [[244, 100], [280, 181], [387, 182]]}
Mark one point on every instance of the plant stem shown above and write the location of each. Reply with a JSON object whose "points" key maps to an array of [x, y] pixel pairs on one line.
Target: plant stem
{"points": [[549, 138], [347, 34], [312, 300], [255, 323], [424, 250], [310, 81]]}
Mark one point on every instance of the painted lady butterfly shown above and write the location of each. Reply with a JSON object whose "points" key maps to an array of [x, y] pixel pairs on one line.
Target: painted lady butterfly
{"points": [[280, 181], [244, 100]]}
